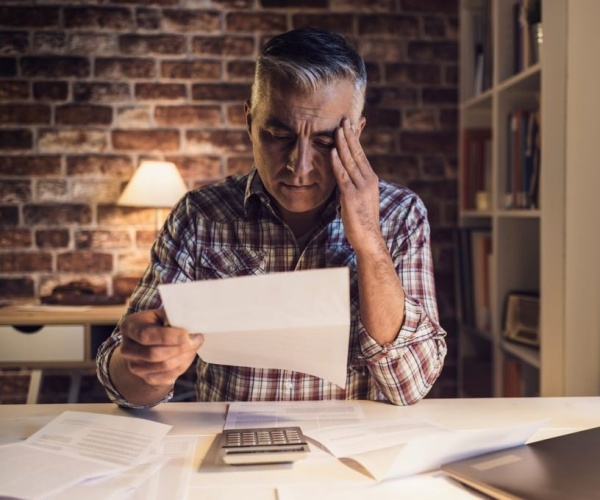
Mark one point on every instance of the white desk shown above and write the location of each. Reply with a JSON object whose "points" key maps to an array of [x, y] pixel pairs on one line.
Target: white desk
{"points": [[54, 337], [260, 482]]}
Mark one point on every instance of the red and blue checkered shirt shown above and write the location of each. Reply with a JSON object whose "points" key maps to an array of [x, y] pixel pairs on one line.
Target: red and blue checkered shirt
{"points": [[232, 229]]}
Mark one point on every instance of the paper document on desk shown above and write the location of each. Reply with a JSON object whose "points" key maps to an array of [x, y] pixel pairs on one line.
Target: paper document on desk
{"points": [[74, 447], [398, 450], [297, 321]]}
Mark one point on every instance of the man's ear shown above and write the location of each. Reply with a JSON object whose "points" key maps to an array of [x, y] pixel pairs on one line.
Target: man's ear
{"points": [[248, 117], [360, 125]]}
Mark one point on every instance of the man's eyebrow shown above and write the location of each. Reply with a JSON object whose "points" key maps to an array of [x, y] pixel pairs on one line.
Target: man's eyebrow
{"points": [[273, 122]]}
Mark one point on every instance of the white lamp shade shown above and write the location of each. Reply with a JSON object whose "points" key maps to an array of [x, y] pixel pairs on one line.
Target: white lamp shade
{"points": [[154, 184]]}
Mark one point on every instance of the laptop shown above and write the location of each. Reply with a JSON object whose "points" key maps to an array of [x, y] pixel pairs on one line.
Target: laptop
{"points": [[558, 468]]}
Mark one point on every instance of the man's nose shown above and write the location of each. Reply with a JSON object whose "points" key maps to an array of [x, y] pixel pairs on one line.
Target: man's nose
{"points": [[300, 159]]}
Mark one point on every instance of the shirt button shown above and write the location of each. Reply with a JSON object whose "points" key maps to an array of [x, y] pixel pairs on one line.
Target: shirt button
{"points": [[289, 385]]}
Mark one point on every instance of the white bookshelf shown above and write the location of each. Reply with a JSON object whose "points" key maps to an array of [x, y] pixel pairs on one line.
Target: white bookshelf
{"points": [[553, 249]]}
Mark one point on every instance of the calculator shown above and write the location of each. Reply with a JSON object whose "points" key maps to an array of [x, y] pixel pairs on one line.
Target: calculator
{"points": [[262, 445]]}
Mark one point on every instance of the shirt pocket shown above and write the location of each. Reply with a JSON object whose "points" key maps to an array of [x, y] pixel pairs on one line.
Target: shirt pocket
{"points": [[226, 262]]}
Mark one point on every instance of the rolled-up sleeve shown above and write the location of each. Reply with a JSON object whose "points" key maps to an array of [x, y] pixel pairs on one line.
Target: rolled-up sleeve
{"points": [[406, 368]]}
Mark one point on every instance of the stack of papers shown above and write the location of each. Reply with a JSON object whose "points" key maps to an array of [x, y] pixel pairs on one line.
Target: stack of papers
{"points": [[85, 455]]}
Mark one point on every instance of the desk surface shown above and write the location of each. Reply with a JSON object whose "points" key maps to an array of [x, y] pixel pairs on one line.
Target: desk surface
{"points": [[205, 420], [46, 315]]}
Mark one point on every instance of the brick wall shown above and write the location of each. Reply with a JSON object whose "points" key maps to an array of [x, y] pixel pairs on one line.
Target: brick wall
{"points": [[89, 88]]}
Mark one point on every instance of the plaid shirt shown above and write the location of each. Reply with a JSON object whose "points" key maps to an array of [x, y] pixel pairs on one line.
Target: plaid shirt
{"points": [[231, 229]]}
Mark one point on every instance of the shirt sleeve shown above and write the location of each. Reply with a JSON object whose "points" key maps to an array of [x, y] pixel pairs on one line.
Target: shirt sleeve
{"points": [[166, 254], [406, 368]]}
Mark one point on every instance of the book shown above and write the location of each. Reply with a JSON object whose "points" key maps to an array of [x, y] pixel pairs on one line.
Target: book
{"points": [[476, 166], [472, 259]]}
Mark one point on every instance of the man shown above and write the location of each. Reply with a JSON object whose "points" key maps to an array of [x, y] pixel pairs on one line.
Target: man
{"points": [[311, 201]]}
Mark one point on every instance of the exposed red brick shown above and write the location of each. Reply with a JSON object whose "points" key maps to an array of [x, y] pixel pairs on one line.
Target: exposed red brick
{"points": [[124, 285], [146, 140], [160, 91], [8, 67], [196, 70], [427, 142], [389, 25], [412, 73], [15, 191], [9, 216], [434, 26], [449, 118], [57, 215], [391, 96], [101, 239], [16, 139], [52, 238], [296, 4], [55, 66], [119, 166], [144, 238], [73, 141], [24, 113], [152, 44], [101, 92], [196, 166], [50, 91], [148, 19], [84, 261], [125, 216], [13, 262], [13, 42], [15, 238], [239, 165], [401, 169], [440, 95], [241, 70], [379, 117], [435, 6], [192, 21], [377, 141], [267, 22], [373, 73], [441, 51], [29, 165], [106, 18], [29, 17], [341, 23], [236, 115], [49, 43], [227, 46], [451, 75], [13, 288], [218, 141], [12, 90], [125, 67], [220, 92], [188, 115], [420, 119], [83, 114], [52, 190]]}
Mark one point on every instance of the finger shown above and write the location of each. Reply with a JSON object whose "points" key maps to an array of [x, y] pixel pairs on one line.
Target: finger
{"points": [[355, 148], [133, 350], [148, 328], [344, 154]]}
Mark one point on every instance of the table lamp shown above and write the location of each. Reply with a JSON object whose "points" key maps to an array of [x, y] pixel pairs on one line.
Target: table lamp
{"points": [[155, 184]]}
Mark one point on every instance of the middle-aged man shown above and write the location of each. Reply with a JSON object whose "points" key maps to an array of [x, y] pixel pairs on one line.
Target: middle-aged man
{"points": [[311, 201]]}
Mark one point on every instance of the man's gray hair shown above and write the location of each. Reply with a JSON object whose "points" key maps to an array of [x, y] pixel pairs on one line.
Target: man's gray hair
{"points": [[308, 59]]}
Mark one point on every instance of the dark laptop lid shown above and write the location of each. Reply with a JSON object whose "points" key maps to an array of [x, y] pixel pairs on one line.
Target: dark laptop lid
{"points": [[559, 468]]}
